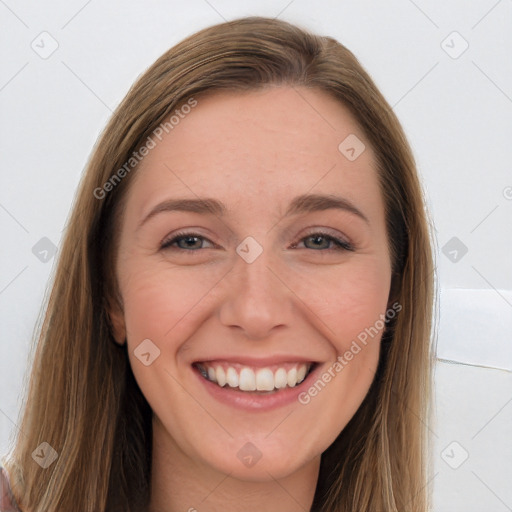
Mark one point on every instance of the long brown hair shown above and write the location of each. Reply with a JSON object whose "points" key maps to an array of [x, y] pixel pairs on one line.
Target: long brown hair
{"points": [[82, 398]]}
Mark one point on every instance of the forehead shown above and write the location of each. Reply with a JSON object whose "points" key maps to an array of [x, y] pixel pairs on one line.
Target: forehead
{"points": [[266, 145]]}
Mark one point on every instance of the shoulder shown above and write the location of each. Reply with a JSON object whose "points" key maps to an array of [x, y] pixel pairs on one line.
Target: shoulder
{"points": [[7, 503]]}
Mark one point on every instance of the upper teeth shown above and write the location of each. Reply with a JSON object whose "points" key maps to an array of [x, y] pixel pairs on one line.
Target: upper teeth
{"points": [[254, 379]]}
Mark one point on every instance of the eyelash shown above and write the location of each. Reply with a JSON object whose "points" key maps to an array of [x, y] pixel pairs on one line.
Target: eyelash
{"points": [[341, 245]]}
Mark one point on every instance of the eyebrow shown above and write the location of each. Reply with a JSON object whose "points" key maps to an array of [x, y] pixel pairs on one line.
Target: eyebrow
{"points": [[306, 203]]}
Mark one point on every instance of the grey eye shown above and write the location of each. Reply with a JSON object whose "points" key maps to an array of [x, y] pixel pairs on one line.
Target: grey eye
{"points": [[318, 241], [189, 242], [186, 241]]}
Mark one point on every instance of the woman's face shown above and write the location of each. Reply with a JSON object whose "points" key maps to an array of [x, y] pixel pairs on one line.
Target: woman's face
{"points": [[253, 249]]}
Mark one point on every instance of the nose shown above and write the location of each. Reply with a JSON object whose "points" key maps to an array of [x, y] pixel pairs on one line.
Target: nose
{"points": [[257, 301]]}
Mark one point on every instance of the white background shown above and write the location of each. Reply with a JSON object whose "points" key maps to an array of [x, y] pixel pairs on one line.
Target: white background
{"points": [[456, 110]]}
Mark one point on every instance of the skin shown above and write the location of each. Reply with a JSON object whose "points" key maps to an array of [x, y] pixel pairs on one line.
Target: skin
{"points": [[253, 151]]}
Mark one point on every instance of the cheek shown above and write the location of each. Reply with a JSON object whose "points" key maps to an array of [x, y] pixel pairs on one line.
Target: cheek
{"points": [[151, 305], [350, 300], [159, 305], [160, 301], [352, 304]]}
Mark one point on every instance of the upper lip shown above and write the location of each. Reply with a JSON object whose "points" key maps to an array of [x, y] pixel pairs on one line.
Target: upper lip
{"points": [[257, 362]]}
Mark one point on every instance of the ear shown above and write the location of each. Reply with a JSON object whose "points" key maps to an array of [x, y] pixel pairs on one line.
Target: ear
{"points": [[117, 323]]}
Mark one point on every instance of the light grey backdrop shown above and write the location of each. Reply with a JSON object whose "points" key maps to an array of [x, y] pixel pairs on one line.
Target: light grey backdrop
{"points": [[446, 69]]}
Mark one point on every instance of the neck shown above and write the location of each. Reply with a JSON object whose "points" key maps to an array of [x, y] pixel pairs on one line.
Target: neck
{"points": [[182, 484]]}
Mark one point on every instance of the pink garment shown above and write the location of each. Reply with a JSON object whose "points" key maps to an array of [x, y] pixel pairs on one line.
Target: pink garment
{"points": [[7, 502]]}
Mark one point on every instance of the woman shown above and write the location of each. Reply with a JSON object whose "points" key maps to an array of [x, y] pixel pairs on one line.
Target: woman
{"points": [[241, 314]]}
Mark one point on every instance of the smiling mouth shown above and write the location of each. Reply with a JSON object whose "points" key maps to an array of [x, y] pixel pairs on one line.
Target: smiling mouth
{"points": [[268, 379]]}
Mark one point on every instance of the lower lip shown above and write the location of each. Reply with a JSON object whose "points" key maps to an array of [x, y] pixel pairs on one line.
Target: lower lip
{"points": [[255, 401]]}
